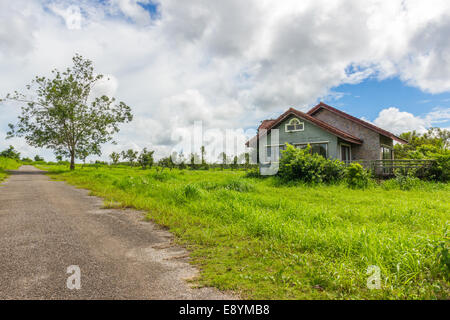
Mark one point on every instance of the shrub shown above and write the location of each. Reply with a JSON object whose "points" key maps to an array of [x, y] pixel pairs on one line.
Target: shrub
{"points": [[301, 164], [333, 171], [357, 177], [406, 180], [440, 170]]}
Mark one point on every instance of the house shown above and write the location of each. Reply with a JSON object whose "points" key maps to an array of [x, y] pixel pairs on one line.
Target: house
{"points": [[330, 132]]}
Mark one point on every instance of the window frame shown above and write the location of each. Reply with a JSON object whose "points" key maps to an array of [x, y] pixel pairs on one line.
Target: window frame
{"points": [[391, 151], [349, 151], [268, 147], [300, 123], [298, 145]]}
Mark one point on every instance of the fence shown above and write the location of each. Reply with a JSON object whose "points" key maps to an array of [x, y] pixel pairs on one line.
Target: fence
{"points": [[385, 168]]}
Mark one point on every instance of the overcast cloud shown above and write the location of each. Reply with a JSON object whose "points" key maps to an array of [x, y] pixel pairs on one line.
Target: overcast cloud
{"points": [[227, 63]]}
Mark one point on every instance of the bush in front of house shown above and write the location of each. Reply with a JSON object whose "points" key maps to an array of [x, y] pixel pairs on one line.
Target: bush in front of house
{"points": [[357, 177], [302, 165], [333, 171]]}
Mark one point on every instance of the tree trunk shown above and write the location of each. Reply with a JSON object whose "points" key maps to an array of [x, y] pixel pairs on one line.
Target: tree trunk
{"points": [[72, 161]]}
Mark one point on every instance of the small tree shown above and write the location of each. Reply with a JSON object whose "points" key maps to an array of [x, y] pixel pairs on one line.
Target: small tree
{"points": [[115, 157], [195, 159], [38, 158], [10, 153], [64, 117], [181, 161], [130, 155], [235, 164], [59, 158], [223, 157], [146, 158], [203, 153], [247, 160], [166, 163]]}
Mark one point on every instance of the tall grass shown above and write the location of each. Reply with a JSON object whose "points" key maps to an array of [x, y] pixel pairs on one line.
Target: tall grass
{"points": [[267, 240], [7, 164]]}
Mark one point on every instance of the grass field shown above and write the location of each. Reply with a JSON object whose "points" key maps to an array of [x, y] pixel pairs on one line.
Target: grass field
{"points": [[7, 164], [266, 240]]}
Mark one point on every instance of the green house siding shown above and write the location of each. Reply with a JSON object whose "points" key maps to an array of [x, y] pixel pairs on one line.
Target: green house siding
{"points": [[310, 134]]}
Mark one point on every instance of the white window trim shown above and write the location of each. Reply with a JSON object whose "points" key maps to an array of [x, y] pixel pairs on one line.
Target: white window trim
{"points": [[306, 143], [289, 123]]}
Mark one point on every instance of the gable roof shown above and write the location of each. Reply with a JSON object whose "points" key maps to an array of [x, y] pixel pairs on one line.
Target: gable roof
{"points": [[363, 123], [269, 124]]}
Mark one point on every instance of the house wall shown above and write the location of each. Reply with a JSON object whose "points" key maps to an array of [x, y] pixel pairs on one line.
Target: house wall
{"points": [[371, 146], [310, 134]]}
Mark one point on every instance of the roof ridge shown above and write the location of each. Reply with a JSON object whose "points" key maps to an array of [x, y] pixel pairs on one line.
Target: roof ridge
{"points": [[321, 123], [357, 120]]}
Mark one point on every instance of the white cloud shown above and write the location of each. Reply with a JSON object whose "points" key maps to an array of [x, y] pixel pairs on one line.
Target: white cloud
{"points": [[396, 121], [228, 63]]}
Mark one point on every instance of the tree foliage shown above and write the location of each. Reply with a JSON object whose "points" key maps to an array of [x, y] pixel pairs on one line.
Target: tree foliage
{"points": [[62, 114], [434, 144], [146, 158], [166, 162], [129, 155], [115, 157], [10, 153], [423, 146]]}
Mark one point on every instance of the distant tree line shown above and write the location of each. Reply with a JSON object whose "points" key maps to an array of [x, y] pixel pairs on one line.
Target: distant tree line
{"points": [[145, 159]]}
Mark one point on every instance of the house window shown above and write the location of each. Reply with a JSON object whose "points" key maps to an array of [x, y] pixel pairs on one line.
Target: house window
{"points": [[387, 153], [295, 125], [269, 151], [319, 148], [345, 153]]}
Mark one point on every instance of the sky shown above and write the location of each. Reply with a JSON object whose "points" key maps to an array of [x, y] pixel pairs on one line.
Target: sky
{"points": [[231, 64]]}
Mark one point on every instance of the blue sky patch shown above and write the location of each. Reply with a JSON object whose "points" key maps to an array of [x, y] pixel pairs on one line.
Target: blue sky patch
{"points": [[369, 97]]}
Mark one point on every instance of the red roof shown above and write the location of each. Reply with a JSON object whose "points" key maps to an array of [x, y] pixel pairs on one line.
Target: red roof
{"points": [[269, 124], [368, 125]]}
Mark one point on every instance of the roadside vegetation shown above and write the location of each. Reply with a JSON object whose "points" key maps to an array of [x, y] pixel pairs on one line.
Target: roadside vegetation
{"points": [[7, 164], [9, 160], [272, 239]]}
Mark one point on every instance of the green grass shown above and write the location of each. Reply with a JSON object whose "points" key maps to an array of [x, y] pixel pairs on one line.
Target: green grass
{"points": [[266, 240], [7, 164]]}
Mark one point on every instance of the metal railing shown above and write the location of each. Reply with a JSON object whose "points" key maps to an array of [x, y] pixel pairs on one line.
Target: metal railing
{"points": [[387, 167]]}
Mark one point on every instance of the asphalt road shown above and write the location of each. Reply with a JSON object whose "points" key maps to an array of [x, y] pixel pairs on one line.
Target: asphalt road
{"points": [[47, 226]]}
